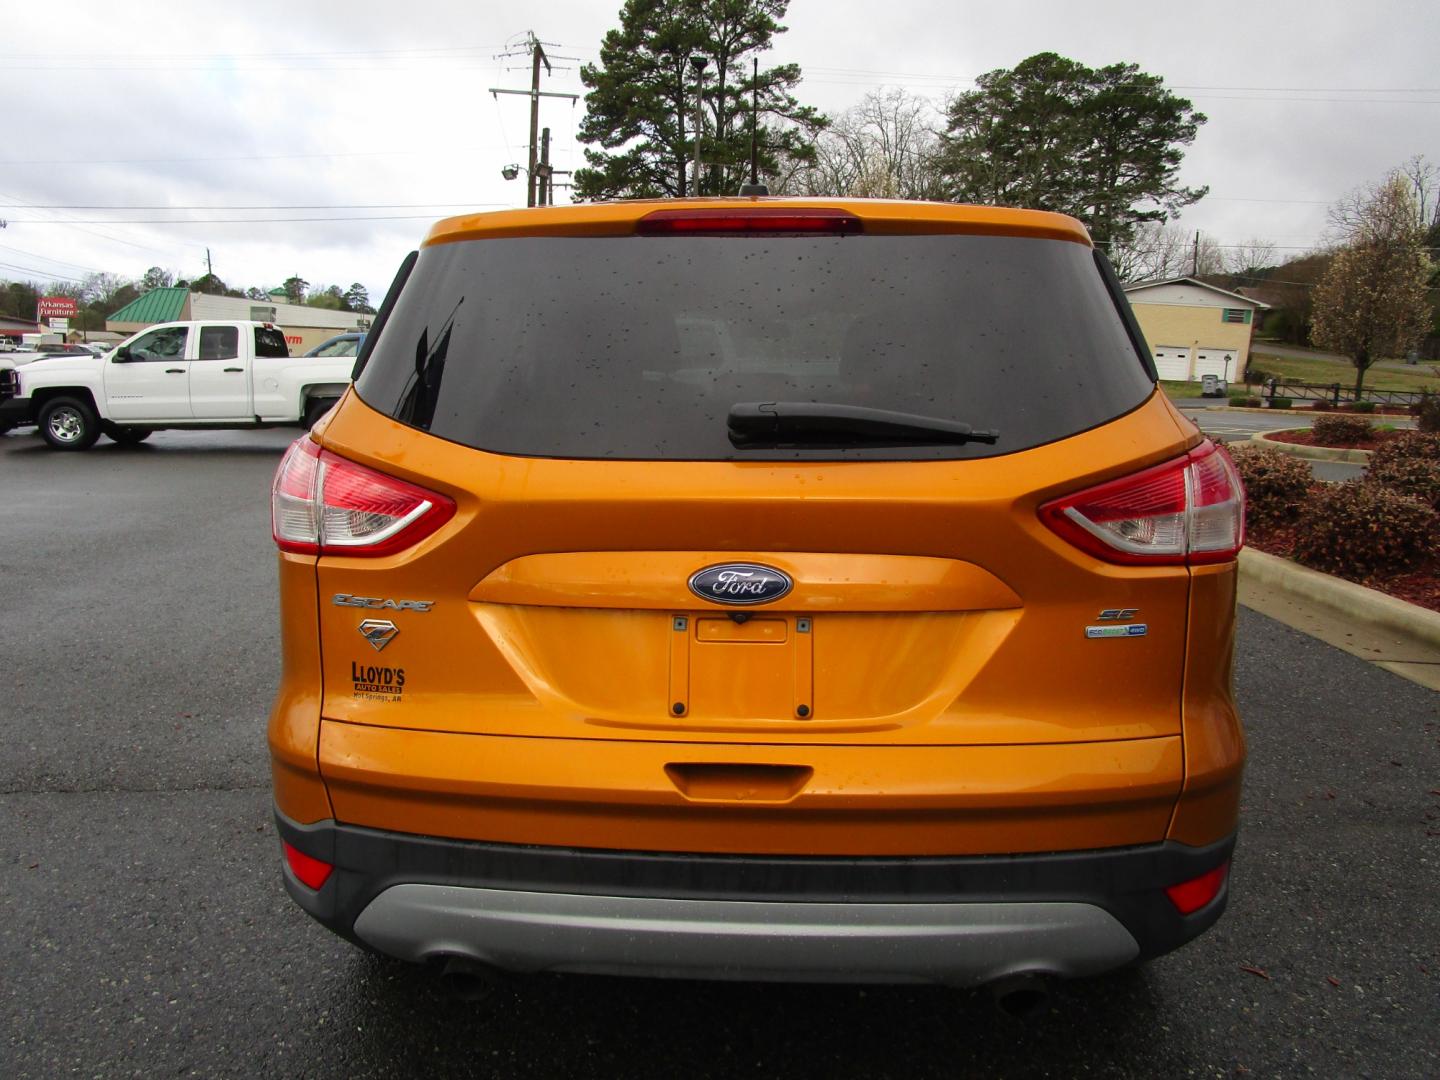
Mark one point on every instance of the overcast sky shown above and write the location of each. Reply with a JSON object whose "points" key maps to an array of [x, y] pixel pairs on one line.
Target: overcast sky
{"points": [[381, 111]]}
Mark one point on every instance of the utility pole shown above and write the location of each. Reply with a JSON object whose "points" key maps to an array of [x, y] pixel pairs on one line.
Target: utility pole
{"points": [[538, 57], [536, 48], [209, 270], [1195, 257], [547, 172], [698, 63], [755, 122]]}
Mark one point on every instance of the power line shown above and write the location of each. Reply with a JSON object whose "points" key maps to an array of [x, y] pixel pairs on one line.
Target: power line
{"points": [[399, 66], [235, 157], [47, 258], [229, 221], [1246, 198], [869, 76], [298, 206], [67, 55], [90, 232], [35, 270], [453, 202], [1167, 86], [947, 84]]}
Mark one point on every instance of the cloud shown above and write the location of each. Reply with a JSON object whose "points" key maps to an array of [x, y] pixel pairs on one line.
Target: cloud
{"points": [[375, 107]]}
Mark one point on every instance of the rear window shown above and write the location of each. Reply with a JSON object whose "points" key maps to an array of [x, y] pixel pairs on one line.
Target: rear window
{"points": [[270, 342], [637, 347]]}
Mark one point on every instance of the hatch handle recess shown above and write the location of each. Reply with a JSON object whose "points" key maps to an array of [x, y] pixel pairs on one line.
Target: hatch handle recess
{"points": [[722, 782]]}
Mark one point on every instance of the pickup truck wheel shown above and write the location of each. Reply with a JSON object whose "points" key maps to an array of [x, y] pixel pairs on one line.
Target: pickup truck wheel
{"points": [[317, 408], [68, 423], [129, 436]]}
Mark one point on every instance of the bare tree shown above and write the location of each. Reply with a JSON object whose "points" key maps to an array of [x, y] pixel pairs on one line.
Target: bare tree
{"points": [[1248, 257], [1353, 212], [73, 289], [101, 288], [1207, 257], [887, 146], [1424, 179], [1157, 252]]}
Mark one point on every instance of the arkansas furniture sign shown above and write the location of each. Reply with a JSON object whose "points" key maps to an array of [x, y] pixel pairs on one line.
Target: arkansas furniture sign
{"points": [[56, 307]]}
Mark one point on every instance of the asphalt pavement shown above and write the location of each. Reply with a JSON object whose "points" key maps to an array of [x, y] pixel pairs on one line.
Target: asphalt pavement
{"points": [[144, 930], [1239, 425]]}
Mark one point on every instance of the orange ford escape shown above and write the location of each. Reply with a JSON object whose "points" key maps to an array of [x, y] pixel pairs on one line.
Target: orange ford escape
{"points": [[758, 589]]}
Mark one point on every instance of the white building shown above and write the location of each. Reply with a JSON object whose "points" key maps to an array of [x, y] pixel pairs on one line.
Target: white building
{"points": [[304, 326]]}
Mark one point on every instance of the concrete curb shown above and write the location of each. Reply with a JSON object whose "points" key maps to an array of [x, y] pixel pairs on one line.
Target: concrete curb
{"points": [[1233, 408], [1314, 453], [1346, 599], [1306, 412]]}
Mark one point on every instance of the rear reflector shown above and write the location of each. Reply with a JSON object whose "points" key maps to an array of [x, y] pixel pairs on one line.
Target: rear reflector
{"points": [[311, 871], [322, 503], [739, 220], [1190, 510], [1190, 896]]}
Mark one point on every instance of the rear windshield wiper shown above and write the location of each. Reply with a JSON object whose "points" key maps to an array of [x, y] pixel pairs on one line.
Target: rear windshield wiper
{"points": [[809, 423]]}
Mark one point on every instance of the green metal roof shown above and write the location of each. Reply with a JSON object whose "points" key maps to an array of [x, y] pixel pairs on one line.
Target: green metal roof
{"points": [[156, 306]]}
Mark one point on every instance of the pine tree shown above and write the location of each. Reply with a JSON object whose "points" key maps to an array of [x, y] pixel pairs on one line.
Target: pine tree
{"points": [[1104, 145], [641, 105]]}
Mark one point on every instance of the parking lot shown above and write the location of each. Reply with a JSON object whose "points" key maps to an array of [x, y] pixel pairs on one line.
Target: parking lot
{"points": [[144, 929]]}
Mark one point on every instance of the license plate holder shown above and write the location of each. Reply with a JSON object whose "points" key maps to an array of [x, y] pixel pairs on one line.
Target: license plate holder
{"points": [[761, 667]]}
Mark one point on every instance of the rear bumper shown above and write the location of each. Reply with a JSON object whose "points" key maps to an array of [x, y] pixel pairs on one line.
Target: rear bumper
{"points": [[954, 920], [966, 944]]}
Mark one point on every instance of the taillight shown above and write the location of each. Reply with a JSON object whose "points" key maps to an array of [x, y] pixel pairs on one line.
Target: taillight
{"points": [[1190, 896], [1190, 510], [311, 871], [742, 219], [321, 503]]}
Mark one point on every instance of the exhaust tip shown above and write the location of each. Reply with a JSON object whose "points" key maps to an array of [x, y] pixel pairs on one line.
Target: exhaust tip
{"points": [[1021, 997], [470, 980]]}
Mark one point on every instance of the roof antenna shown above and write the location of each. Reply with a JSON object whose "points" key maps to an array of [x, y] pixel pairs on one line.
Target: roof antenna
{"points": [[754, 187]]}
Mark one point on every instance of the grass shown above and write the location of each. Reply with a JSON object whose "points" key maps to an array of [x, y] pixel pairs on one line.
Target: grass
{"points": [[1295, 369], [1182, 389]]}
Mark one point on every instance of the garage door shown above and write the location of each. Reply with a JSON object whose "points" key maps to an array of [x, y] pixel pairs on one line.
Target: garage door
{"points": [[1172, 361], [1219, 362]]}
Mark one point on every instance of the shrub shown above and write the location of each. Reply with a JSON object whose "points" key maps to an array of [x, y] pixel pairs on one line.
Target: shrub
{"points": [[1276, 484], [1280, 403], [1407, 444], [1363, 407], [1334, 430], [1254, 376], [1321, 405], [1358, 530], [1427, 413], [1416, 477]]}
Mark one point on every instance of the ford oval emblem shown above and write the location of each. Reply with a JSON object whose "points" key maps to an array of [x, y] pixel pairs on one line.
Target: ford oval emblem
{"points": [[740, 583]]}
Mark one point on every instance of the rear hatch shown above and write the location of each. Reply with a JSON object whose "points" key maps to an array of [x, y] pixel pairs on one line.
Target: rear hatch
{"points": [[787, 402]]}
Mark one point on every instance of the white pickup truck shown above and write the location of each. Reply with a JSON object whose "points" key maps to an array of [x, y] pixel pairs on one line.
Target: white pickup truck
{"points": [[201, 375]]}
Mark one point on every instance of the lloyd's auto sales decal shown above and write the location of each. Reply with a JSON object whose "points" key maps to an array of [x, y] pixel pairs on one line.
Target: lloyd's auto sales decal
{"points": [[376, 683]]}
